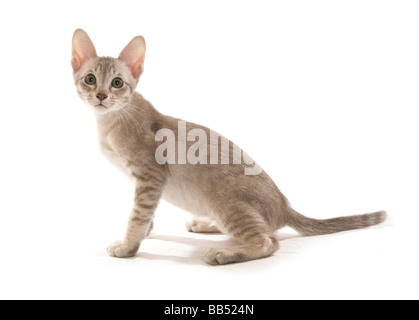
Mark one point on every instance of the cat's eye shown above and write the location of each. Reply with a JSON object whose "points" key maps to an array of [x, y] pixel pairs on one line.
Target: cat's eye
{"points": [[90, 79], [117, 83]]}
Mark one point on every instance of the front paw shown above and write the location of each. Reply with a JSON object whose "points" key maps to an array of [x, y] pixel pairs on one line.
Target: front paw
{"points": [[122, 250]]}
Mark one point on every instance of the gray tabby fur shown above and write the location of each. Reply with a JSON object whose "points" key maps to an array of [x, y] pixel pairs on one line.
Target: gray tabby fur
{"points": [[250, 208]]}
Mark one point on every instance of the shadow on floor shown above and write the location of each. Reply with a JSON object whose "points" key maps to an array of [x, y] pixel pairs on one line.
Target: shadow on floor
{"points": [[199, 246]]}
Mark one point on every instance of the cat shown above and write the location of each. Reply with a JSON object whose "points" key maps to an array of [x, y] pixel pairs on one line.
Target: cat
{"points": [[249, 207]]}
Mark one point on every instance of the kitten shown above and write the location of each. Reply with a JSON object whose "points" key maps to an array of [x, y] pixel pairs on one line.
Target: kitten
{"points": [[223, 197]]}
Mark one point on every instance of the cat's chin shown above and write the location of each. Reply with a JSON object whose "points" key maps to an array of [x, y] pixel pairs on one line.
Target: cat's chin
{"points": [[100, 108]]}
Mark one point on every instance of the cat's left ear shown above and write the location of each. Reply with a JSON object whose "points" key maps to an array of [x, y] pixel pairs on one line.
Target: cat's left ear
{"points": [[133, 55]]}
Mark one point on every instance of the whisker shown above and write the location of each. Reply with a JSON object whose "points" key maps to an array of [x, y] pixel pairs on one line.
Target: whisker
{"points": [[134, 121], [126, 123], [121, 119], [134, 108]]}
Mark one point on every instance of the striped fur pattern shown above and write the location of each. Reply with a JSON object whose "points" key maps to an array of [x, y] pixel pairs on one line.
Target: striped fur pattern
{"points": [[248, 207]]}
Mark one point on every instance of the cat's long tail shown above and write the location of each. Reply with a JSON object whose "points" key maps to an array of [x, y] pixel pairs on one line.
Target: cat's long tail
{"points": [[311, 227]]}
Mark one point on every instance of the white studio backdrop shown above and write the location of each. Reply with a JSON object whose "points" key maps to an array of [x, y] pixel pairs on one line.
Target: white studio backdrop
{"points": [[323, 94]]}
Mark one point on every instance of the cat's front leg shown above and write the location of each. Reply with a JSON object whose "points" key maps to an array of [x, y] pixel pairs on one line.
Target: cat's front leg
{"points": [[147, 197]]}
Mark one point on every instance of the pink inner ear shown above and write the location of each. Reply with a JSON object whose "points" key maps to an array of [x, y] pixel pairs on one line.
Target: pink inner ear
{"points": [[137, 68], [76, 61], [82, 49], [133, 55]]}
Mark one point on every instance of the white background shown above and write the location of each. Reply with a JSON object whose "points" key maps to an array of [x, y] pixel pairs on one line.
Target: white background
{"points": [[323, 94]]}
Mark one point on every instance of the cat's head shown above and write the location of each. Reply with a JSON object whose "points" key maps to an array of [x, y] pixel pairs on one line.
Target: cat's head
{"points": [[106, 84]]}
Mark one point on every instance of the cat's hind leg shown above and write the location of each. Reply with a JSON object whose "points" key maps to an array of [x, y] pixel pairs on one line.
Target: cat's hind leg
{"points": [[257, 249], [202, 225], [251, 230]]}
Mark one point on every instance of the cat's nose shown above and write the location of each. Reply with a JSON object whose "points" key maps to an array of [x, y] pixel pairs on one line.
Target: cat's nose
{"points": [[101, 96]]}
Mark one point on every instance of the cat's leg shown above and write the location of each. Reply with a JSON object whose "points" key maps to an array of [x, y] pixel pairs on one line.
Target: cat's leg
{"points": [[257, 248], [150, 228], [140, 223], [256, 237], [202, 225]]}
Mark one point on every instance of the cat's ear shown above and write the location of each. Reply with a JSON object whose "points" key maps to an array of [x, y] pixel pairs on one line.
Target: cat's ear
{"points": [[82, 50], [133, 55]]}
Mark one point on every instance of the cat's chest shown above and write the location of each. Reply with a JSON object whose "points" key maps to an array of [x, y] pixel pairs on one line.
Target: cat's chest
{"points": [[114, 157]]}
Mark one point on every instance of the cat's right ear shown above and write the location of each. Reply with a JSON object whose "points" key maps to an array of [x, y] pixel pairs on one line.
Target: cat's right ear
{"points": [[82, 49], [133, 55]]}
